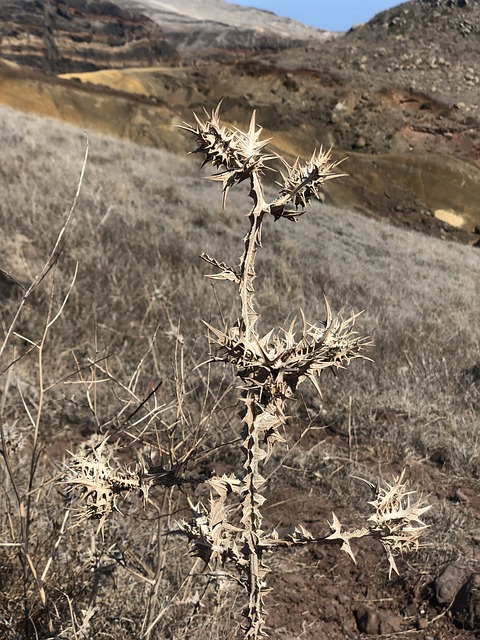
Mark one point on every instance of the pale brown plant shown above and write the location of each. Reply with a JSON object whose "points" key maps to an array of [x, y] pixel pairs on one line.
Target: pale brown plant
{"points": [[227, 533], [270, 368]]}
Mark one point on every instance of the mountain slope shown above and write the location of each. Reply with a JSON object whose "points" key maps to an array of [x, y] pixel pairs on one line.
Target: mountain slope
{"points": [[213, 28], [430, 46], [60, 37], [381, 94]]}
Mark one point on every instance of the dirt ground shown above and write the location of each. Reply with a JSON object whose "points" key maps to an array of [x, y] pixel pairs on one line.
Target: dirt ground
{"points": [[319, 593]]}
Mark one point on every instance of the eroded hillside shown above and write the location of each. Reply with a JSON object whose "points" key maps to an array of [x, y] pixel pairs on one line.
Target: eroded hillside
{"points": [[398, 96]]}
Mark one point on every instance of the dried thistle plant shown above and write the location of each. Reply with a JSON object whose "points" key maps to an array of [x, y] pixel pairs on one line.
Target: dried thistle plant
{"points": [[270, 368], [227, 532], [98, 480], [396, 521]]}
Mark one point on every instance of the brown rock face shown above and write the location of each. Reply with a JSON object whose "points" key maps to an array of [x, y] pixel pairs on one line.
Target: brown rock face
{"points": [[460, 589], [62, 37]]}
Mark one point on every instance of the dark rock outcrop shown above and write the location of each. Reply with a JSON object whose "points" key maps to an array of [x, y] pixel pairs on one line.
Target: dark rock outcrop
{"points": [[62, 37]]}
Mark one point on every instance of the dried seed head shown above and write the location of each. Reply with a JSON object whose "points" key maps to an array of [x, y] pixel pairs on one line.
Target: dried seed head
{"points": [[304, 181], [397, 519], [96, 482], [279, 361], [396, 522], [239, 154]]}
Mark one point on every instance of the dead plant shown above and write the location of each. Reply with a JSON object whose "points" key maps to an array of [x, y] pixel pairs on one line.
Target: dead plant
{"points": [[227, 533]]}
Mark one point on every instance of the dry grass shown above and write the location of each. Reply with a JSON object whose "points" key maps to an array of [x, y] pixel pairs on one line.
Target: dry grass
{"points": [[142, 220]]}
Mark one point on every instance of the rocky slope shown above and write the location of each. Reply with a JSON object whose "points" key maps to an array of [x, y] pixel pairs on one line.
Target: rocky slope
{"points": [[219, 30], [398, 95], [77, 35], [430, 46]]}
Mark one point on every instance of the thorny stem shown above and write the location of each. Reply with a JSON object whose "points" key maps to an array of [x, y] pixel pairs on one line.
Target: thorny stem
{"points": [[252, 518], [247, 263], [252, 499], [259, 361]]}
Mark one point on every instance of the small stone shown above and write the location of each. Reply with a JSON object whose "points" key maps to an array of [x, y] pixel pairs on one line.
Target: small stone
{"points": [[448, 583], [422, 623], [367, 620], [339, 111], [374, 622], [466, 607]]}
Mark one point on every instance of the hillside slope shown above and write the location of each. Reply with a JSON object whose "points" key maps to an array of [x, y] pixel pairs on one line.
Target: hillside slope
{"points": [[396, 95], [208, 29], [143, 218], [75, 35]]}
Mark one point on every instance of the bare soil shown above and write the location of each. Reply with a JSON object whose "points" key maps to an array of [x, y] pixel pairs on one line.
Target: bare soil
{"points": [[319, 593]]}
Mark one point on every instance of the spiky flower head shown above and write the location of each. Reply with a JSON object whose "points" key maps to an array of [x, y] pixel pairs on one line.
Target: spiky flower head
{"points": [[238, 154], [304, 181], [397, 522], [98, 481], [397, 519], [277, 362]]}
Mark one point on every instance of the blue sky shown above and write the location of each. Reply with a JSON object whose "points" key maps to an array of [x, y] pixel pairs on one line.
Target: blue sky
{"points": [[333, 15]]}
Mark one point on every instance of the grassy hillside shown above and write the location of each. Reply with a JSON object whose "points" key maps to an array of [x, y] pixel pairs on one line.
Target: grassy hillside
{"points": [[133, 321], [417, 180]]}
